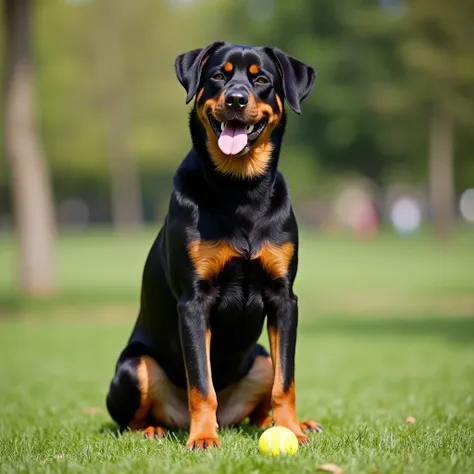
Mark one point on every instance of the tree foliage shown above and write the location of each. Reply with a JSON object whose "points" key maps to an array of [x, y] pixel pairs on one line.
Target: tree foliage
{"points": [[383, 67]]}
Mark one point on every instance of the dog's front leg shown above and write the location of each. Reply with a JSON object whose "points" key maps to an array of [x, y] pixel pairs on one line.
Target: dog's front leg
{"points": [[282, 324], [196, 340]]}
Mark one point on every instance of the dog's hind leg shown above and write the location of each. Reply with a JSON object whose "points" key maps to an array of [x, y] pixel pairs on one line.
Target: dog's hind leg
{"points": [[142, 398], [261, 417], [250, 396]]}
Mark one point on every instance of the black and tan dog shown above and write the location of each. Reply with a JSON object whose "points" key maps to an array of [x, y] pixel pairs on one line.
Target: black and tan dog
{"points": [[225, 259]]}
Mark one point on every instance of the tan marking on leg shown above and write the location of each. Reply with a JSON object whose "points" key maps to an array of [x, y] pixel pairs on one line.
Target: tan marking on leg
{"points": [[140, 419], [203, 430], [261, 417], [283, 403], [160, 400]]}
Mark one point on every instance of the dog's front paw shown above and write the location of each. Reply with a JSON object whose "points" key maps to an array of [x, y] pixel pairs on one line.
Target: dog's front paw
{"points": [[203, 441], [310, 426]]}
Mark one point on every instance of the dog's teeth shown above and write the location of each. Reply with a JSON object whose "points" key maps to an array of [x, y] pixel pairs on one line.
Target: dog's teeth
{"points": [[249, 129], [222, 126]]}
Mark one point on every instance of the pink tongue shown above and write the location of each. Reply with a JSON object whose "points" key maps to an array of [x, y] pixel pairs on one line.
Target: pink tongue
{"points": [[233, 139]]}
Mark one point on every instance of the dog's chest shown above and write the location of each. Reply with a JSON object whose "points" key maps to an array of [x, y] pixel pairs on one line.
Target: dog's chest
{"points": [[245, 274], [240, 286], [212, 257], [240, 266]]}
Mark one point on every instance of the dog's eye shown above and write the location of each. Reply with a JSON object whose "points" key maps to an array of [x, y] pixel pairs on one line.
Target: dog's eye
{"points": [[218, 77], [261, 80]]}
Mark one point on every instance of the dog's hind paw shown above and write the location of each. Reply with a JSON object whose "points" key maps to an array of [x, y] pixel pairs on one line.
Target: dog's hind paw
{"points": [[154, 432], [309, 426]]}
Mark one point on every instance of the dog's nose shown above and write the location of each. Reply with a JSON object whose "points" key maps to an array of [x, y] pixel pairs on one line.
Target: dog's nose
{"points": [[236, 99]]}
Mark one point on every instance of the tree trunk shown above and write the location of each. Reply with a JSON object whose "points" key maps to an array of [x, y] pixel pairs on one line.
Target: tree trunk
{"points": [[123, 166], [31, 187], [441, 173]]}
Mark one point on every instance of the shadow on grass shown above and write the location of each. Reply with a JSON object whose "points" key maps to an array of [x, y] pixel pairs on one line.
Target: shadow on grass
{"points": [[250, 430], [112, 429], [454, 329]]}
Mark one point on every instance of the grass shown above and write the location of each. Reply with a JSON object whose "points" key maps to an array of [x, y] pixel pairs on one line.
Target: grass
{"points": [[415, 275], [387, 331]]}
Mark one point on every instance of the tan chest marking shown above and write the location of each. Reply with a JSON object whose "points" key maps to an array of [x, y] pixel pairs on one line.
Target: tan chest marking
{"points": [[210, 256], [275, 258]]}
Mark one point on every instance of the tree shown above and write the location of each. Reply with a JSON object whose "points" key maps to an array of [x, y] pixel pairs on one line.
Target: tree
{"points": [[30, 180], [434, 49], [340, 130], [115, 98], [395, 85], [76, 93]]}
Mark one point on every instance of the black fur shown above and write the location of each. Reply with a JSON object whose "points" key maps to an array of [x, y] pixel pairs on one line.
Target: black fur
{"points": [[298, 78], [177, 307]]}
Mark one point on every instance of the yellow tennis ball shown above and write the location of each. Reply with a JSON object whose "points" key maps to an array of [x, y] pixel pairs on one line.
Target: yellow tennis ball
{"points": [[278, 440]]}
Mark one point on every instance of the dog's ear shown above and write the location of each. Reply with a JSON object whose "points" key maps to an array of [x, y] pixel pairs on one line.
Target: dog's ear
{"points": [[298, 78], [189, 66]]}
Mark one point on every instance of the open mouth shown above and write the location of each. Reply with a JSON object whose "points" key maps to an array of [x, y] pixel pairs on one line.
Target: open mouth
{"points": [[235, 137]]}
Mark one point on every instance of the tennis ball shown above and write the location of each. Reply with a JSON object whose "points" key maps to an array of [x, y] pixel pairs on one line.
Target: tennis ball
{"points": [[278, 440]]}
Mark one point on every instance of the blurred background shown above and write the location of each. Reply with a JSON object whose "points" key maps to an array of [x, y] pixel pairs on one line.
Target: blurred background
{"points": [[380, 165], [381, 171]]}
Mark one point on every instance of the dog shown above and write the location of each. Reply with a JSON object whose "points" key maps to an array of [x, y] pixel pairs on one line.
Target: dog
{"points": [[224, 260]]}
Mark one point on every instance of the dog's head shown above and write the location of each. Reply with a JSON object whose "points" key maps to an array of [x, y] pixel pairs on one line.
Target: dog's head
{"points": [[240, 92]]}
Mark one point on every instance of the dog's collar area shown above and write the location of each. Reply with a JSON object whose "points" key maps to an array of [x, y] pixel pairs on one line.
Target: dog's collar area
{"points": [[253, 131]]}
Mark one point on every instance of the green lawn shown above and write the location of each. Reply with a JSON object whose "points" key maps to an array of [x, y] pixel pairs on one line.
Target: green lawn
{"points": [[415, 275], [387, 331]]}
